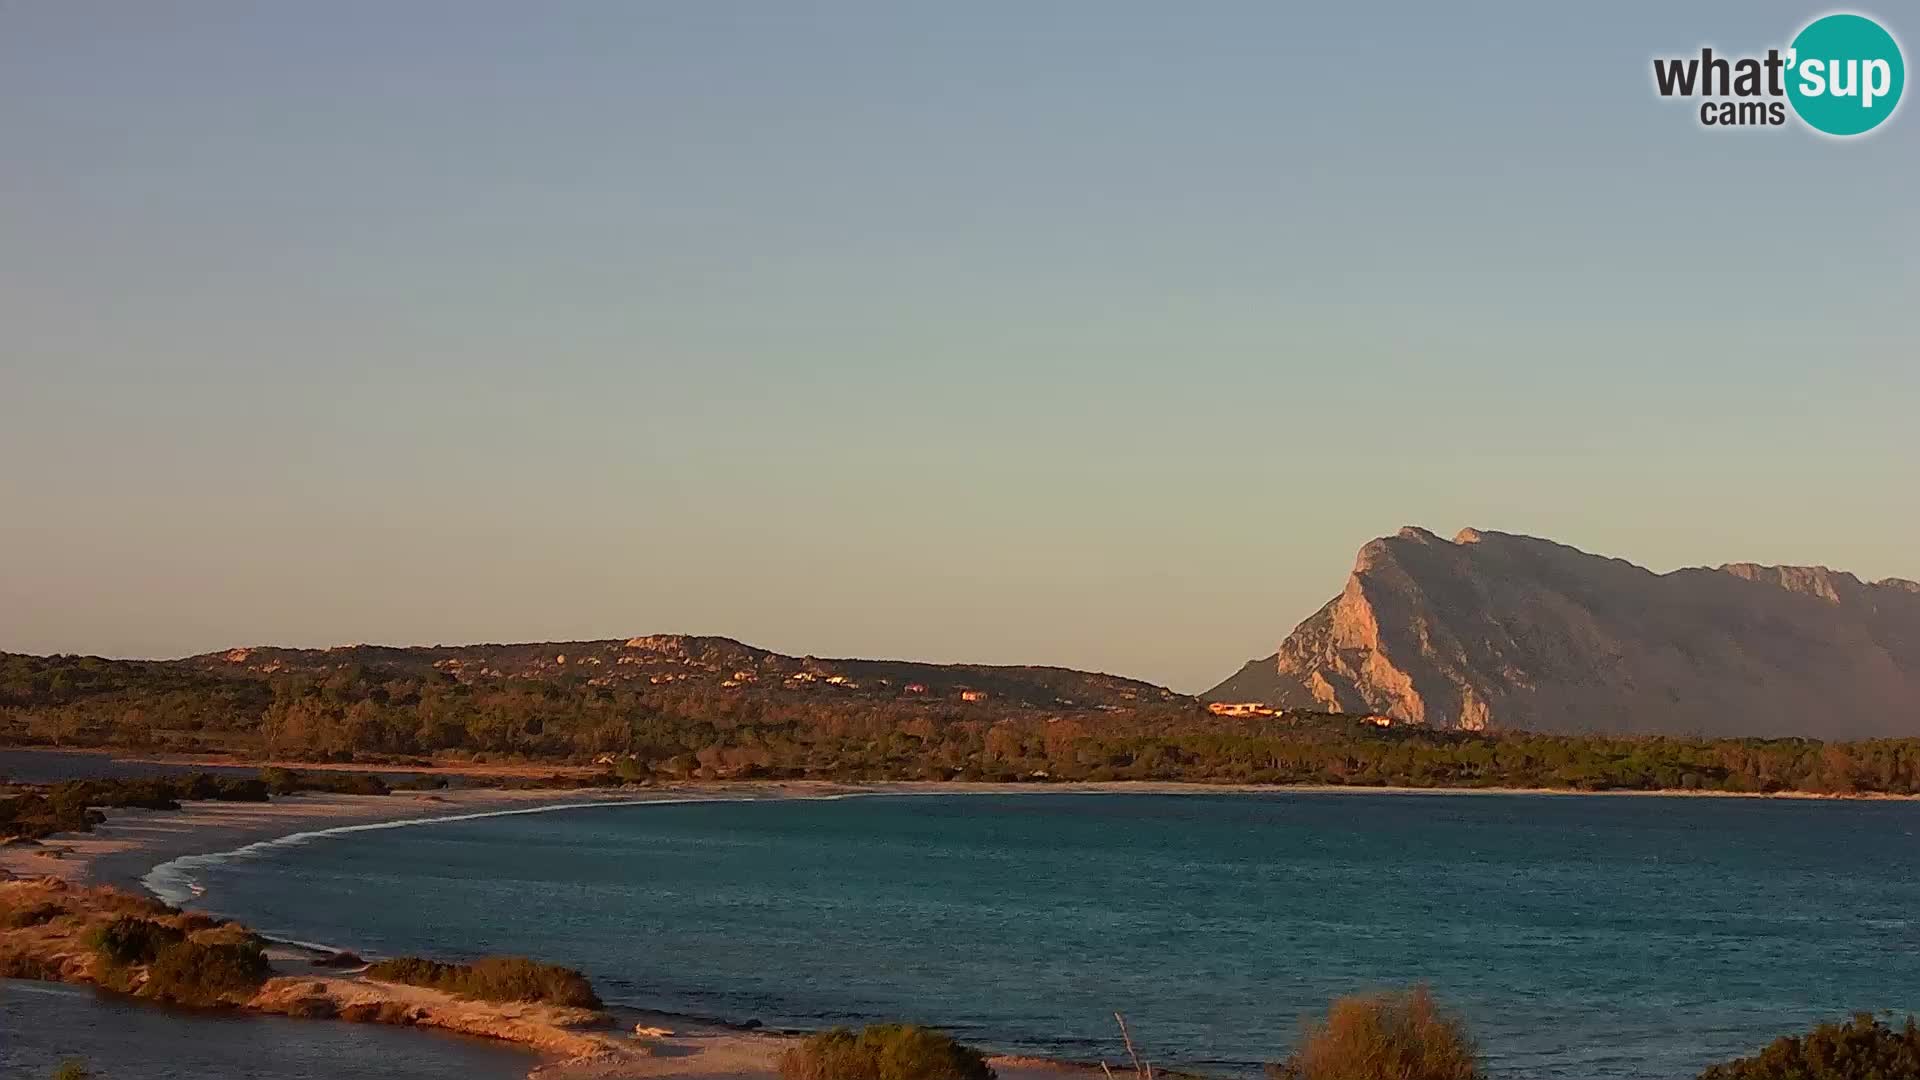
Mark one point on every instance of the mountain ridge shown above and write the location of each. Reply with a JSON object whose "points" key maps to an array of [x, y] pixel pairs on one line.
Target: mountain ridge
{"points": [[693, 658], [1502, 630]]}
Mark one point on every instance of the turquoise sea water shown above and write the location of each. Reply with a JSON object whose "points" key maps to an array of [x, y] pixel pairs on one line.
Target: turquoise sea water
{"points": [[1584, 938]]}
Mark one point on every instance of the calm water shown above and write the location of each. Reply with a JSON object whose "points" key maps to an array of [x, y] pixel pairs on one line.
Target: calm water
{"points": [[35, 766], [1584, 937], [43, 1024], [52, 766]]}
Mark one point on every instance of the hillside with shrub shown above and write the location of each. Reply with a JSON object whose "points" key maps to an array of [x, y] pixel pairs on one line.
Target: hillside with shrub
{"points": [[678, 728]]}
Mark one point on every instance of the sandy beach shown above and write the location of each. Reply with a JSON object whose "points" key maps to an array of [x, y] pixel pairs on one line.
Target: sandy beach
{"points": [[132, 842]]}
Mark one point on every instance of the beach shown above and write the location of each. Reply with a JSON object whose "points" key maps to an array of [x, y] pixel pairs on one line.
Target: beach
{"points": [[125, 850], [160, 852]]}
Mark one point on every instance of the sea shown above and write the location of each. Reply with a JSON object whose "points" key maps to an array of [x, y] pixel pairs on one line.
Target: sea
{"points": [[115, 1038], [1579, 937]]}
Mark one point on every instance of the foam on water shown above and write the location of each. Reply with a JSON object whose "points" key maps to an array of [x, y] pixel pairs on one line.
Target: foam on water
{"points": [[179, 880]]}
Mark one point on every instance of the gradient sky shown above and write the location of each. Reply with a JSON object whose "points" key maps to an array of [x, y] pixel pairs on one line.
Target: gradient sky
{"points": [[1088, 333]]}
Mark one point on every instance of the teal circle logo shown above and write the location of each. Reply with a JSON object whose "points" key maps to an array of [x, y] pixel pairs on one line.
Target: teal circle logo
{"points": [[1845, 74]]}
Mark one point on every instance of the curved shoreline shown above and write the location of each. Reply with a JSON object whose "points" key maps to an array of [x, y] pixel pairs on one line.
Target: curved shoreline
{"points": [[158, 851], [133, 844], [172, 882]]}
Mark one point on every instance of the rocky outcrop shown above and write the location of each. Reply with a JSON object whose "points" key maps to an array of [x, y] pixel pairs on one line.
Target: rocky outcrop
{"points": [[1494, 630]]}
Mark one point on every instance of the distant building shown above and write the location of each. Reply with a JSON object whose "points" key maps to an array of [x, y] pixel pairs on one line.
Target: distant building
{"points": [[973, 695], [915, 688], [1239, 708]]}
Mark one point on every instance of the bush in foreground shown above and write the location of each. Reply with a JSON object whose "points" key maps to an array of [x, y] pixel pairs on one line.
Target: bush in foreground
{"points": [[493, 978], [1401, 1035], [1860, 1049], [883, 1052]]}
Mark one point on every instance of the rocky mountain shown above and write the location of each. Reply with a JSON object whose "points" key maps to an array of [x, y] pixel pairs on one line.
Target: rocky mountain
{"points": [[723, 663], [1494, 630]]}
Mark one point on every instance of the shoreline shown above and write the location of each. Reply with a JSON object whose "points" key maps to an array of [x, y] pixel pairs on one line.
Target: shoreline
{"points": [[132, 844], [134, 849]]}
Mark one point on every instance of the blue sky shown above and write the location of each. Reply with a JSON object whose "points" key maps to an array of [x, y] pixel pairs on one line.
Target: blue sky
{"points": [[1098, 334]]}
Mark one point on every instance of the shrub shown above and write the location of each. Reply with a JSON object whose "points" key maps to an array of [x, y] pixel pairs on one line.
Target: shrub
{"points": [[31, 915], [1860, 1049], [280, 781], [224, 788], [206, 973], [493, 978], [72, 1069], [128, 940], [1388, 1036], [883, 1052], [67, 806], [21, 964], [179, 969], [287, 782]]}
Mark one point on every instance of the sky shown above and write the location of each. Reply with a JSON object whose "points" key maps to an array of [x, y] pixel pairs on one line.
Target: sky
{"points": [[1099, 334]]}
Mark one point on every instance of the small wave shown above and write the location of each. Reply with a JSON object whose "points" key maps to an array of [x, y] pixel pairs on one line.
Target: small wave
{"points": [[177, 880], [303, 946]]}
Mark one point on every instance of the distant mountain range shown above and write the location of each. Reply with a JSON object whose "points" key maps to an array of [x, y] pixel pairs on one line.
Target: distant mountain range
{"points": [[1487, 631], [1494, 630], [692, 661]]}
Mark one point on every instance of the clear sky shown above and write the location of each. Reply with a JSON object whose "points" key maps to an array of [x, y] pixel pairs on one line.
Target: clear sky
{"points": [[1088, 333]]}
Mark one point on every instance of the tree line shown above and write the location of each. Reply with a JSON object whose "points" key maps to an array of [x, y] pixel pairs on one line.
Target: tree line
{"points": [[700, 730]]}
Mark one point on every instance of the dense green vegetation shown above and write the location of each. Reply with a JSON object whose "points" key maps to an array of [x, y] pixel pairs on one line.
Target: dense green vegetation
{"points": [[281, 781], [1399, 1035], [206, 972], [201, 969], [1862, 1048], [130, 940], [682, 730], [493, 978], [70, 806], [883, 1052]]}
